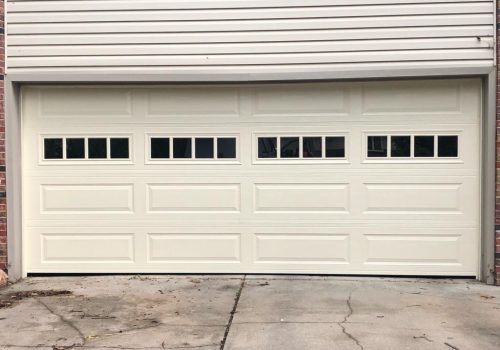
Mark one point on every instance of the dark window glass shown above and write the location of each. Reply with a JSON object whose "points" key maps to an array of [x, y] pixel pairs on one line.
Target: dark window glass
{"points": [[311, 147], [447, 146], [182, 148], [52, 148], [289, 147], [226, 147], [424, 146], [75, 148], [119, 148], [400, 146], [335, 147], [97, 148], [204, 148], [377, 146], [267, 147], [160, 147]]}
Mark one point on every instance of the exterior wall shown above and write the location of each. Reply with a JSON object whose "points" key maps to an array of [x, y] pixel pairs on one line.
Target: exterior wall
{"points": [[497, 211], [258, 37], [3, 221]]}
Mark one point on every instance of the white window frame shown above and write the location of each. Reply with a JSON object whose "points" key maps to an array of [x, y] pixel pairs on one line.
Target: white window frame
{"points": [[86, 160], [301, 159], [193, 160], [412, 159]]}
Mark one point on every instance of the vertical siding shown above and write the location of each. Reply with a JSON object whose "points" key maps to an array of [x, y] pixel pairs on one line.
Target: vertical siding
{"points": [[241, 36]]}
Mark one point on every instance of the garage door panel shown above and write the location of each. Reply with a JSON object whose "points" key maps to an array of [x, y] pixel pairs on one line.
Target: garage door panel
{"points": [[194, 197], [97, 247], [425, 249], [302, 248], [87, 198], [187, 247], [301, 198], [450, 98], [417, 198], [178, 102], [425, 198], [409, 248], [307, 100], [73, 103]]}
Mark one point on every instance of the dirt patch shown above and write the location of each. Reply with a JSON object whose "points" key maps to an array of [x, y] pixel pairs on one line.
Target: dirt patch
{"points": [[10, 299]]}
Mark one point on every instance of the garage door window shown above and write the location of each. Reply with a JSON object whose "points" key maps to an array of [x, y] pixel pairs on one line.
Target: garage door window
{"points": [[86, 148], [411, 146], [98, 148], [53, 148], [300, 147], [447, 146], [200, 148], [424, 146]]}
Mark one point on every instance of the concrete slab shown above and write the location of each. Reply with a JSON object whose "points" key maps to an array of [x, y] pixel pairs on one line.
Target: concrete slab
{"points": [[130, 312], [347, 313], [272, 312]]}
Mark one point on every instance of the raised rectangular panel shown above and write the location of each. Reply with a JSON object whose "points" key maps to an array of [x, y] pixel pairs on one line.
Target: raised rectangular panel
{"points": [[201, 101], [95, 102], [302, 248], [194, 197], [412, 198], [92, 248], [400, 97], [189, 247], [299, 100], [87, 198], [302, 198], [413, 249]]}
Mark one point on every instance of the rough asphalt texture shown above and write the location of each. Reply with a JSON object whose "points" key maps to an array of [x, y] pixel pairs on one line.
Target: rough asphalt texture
{"points": [[249, 312]]}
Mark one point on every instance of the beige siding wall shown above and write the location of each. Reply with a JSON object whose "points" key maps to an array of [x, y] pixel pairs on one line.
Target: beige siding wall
{"points": [[246, 36]]}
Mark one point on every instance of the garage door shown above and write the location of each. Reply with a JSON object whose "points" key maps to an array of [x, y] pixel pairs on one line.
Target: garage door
{"points": [[338, 178]]}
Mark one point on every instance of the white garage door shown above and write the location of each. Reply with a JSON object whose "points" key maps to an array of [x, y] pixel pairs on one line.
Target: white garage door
{"points": [[341, 178]]}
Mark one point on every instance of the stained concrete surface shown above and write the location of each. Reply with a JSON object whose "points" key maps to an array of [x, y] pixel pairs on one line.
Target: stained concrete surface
{"points": [[249, 312]]}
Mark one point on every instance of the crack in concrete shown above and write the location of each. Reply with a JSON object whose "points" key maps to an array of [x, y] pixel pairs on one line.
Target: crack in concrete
{"points": [[423, 336], [344, 321], [451, 346], [65, 321], [233, 311]]}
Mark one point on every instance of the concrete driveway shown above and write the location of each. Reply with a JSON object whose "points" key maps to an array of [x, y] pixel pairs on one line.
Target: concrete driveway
{"points": [[248, 312]]}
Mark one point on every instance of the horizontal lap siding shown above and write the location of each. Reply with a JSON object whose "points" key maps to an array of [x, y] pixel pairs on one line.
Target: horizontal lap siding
{"points": [[239, 36]]}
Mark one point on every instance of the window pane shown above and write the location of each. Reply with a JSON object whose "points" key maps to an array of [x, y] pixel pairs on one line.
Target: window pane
{"points": [[377, 146], [160, 147], [182, 148], [267, 147], [311, 147], [447, 146], [335, 147], [424, 146], [97, 148], [75, 148], [289, 147], [52, 148], [400, 146], [226, 147], [204, 148], [119, 148]]}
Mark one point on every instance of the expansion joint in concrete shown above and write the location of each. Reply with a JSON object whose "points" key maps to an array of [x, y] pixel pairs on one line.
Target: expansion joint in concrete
{"points": [[233, 311]]}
